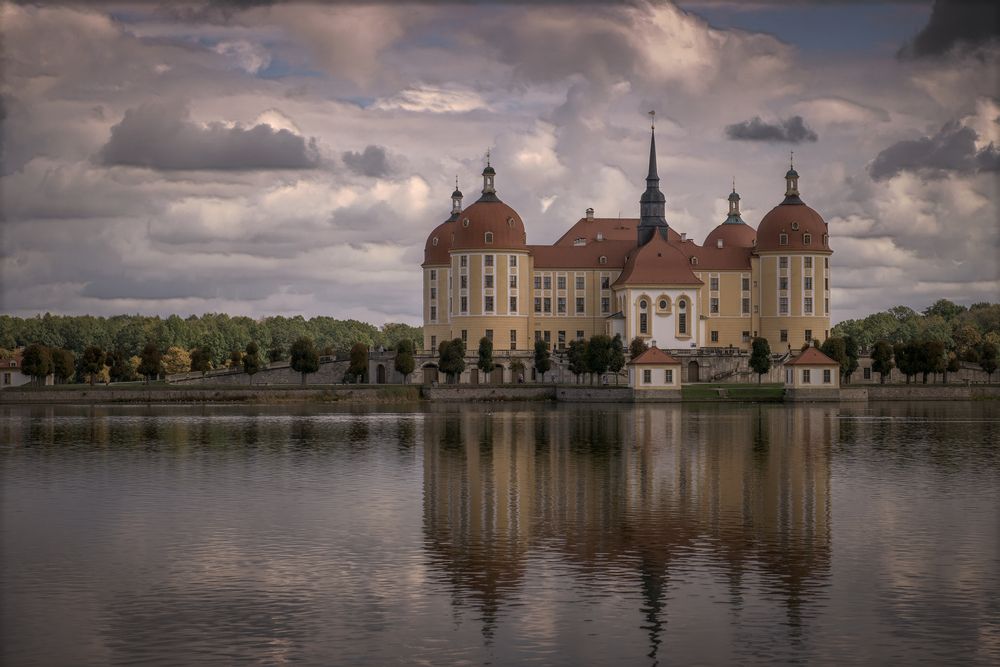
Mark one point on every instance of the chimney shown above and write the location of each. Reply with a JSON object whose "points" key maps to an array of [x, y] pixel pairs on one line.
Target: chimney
{"points": [[590, 215]]}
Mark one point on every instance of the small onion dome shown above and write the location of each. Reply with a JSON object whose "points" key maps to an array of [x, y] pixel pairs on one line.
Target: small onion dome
{"points": [[456, 194], [488, 224], [733, 196], [791, 173], [439, 243], [793, 223], [489, 170], [733, 234]]}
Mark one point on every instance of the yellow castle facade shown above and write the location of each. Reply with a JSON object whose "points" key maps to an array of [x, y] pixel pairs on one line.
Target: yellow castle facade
{"points": [[634, 277]]}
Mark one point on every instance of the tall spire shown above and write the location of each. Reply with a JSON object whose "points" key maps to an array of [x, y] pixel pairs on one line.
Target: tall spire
{"points": [[652, 204], [456, 200]]}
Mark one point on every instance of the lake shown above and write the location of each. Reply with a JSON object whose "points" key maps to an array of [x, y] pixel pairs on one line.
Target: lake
{"points": [[500, 534]]}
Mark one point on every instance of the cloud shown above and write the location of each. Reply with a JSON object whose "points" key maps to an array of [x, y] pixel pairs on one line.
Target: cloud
{"points": [[372, 162], [433, 99], [956, 23], [160, 135], [249, 57], [951, 149], [791, 130]]}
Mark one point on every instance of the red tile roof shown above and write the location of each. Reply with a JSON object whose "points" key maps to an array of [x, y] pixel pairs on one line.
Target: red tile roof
{"points": [[779, 220], [657, 263], [582, 257], [654, 355], [812, 357], [610, 229]]}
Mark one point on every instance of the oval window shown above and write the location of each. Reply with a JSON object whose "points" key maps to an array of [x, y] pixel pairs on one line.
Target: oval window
{"points": [[682, 304], [663, 304], [795, 226], [642, 305]]}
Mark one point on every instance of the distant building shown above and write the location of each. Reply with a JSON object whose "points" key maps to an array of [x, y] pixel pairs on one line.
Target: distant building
{"points": [[654, 372], [11, 374], [812, 375], [637, 277]]}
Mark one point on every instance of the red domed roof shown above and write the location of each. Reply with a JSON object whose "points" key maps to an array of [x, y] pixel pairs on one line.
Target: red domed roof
{"points": [[739, 234], [488, 216], [657, 262], [439, 243], [795, 219]]}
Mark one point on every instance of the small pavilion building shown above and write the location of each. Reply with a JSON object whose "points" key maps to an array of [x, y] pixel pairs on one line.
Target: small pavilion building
{"points": [[655, 375], [812, 376]]}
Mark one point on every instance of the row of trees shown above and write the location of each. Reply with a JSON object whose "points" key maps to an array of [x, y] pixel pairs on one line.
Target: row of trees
{"points": [[962, 330], [926, 357], [218, 333]]}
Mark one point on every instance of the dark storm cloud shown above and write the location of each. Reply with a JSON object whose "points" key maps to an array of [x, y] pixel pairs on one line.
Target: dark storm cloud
{"points": [[956, 22], [372, 162], [161, 136], [791, 130], [952, 149]]}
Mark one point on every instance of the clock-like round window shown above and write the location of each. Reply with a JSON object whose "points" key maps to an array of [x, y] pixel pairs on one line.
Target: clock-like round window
{"points": [[642, 305]]}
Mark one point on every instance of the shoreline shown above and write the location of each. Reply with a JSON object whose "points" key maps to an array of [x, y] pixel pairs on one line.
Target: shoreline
{"points": [[270, 394]]}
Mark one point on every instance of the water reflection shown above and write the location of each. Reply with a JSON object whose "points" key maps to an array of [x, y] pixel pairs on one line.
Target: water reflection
{"points": [[640, 489]]}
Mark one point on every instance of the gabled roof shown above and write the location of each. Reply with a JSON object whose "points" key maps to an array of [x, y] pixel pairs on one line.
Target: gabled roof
{"points": [[812, 357], [610, 229], [654, 356], [657, 263]]}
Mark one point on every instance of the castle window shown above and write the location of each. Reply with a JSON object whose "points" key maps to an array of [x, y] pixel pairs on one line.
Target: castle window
{"points": [[489, 281], [489, 335], [513, 339], [808, 305], [714, 305], [694, 260], [784, 335], [795, 226], [746, 284], [746, 306], [579, 334], [783, 305], [434, 293], [489, 237], [715, 336], [538, 304], [434, 274], [580, 282], [605, 304], [668, 376], [547, 282], [547, 304], [782, 262], [434, 313], [561, 282], [807, 239], [510, 222], [465, 335], [808, 262], [488, 259], [663, 304], [580, 305], [826, 376], [513, 304], [465, 223], [809, 335], [806, 379], [745, 336], [647, 376], [513, 280], [603, 260], [783, 283], [463, 261], [463, 282], [714, 282], [682, 317], [561, 339], [809, 282], [465, 304], [605, 282], [434, 342], [561, 305], [782, 239], [642, 305], [826, 262], [434, 241], [538, 282], [643, 323], [513, 261]]}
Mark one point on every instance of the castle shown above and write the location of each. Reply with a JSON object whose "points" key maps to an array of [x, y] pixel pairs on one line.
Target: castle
{"points": [[632, 277]]}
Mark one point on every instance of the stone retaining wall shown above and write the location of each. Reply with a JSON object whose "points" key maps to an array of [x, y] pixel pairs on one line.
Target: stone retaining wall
{"points": [[487, 392], [160, 394], [280, 373], [585, 394]]}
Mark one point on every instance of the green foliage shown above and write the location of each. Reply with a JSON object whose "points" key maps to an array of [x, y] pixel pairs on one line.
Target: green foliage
{"points": [[216, 332], [251, 360], [636, 347], [36, 362], [485, 361], [404, 362], [576, 355], [359, 362], [119, 367], [92, 362], [63, 364], [543, 359], [599, 355], [201, 360], [907, 357], [945, 309], [931, 357], [275, 354], [517, 369], [451, 358], [760, 357], [303, 357], [617, 362], [988, 359], [150, 362], [882, 359]]}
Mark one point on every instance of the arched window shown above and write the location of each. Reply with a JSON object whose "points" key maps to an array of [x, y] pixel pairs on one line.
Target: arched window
{"points": [[682, 317], [694, 260], [807, 239], [826, 239], [510, 222], [489, 237], [643, 318], [603, 260]]}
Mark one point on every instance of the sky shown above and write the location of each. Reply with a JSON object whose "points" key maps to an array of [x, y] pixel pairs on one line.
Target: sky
{"points": [[262, 158]]}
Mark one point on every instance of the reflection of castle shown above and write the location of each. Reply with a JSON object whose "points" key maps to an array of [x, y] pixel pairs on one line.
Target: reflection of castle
{"points": [[745, 493]]}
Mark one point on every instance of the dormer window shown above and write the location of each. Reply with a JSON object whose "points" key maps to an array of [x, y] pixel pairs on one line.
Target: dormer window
{"points": [[782, 239], [694, 261], [807, 239], [465, 222], [488, 237], [795, 226], [718, 243], [434, 241], [826, 239], [603, 260]]}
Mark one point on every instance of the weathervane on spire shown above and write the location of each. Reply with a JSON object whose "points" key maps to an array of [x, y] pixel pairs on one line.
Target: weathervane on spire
{"points": [[734, 184], [791, 160], [652, 120], [487, 157]]}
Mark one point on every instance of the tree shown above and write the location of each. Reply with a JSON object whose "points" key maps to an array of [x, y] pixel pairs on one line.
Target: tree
{"points": [[954, 365], [945, 309], [303, 357], [882, 359], [150, 362], [932, 358], [359, 362], [275, 354], [176, 360], [36, 362], [967, 338], [636, 347], [92, 362], [617, 362], [907, 359], [251, 360], [63, 364], [451, 358], [598, 355], [236, 359], [836, 348], [760, 357], [119, 368], [404, 362], [543, 360], [201, 360], [852, 352], [485, 361], [576, 355], [988, 359]]}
